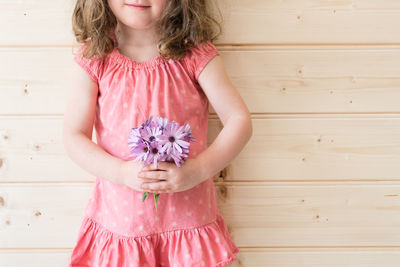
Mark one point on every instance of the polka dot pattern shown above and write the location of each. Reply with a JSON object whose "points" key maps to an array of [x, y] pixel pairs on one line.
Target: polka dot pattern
{"points": [[188, 223]]}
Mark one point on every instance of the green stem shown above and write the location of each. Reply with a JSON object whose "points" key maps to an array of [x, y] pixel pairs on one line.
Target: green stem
{"points": [[155, 200], [144, 195]]}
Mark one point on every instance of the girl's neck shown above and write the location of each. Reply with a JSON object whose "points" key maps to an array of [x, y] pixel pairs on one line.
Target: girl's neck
{"points": [[138, 45], [136, 38]]}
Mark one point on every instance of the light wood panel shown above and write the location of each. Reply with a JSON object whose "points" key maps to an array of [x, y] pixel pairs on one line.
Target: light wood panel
{"points": [[35, 258], [270, 80], [316, 257], [34, 80], [312, 214], [48, 215], [48, 22], [319, 147], [358, 147], [304, 21], [247, 257], [316, 79], [31, 149]]}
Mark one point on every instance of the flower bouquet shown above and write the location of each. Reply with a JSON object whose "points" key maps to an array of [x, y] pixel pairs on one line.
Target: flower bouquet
{"points": [[158, 140]]}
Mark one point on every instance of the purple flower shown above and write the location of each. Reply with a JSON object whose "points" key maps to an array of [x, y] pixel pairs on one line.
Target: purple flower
{"points": [[140, 151], [134, 137], [151, 132], [162, 122], [188, 136], [154, 154], [174, 156], [173, 138], [148, 122]]}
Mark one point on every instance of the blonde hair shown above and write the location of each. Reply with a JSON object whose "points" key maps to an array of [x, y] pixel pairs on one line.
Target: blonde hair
{"points": [[183, 25]]}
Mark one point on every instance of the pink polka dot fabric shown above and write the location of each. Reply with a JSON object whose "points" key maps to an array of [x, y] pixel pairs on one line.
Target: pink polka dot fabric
{"points": [[118, 229]]}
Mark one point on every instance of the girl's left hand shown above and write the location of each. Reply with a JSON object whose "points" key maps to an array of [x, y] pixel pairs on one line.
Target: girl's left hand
{"points": [[171, 177]]}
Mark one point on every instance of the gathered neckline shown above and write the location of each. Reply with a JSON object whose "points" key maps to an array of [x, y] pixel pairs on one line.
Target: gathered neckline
{"points": [[126, 61], [131, 63]]}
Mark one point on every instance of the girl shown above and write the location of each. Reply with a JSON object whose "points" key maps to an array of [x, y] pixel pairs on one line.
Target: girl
{"points": [[139, 59]]}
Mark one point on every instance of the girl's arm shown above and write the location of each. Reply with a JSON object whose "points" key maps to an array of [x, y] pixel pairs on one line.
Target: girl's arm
{"points": [[78, 127], [233, 113]]}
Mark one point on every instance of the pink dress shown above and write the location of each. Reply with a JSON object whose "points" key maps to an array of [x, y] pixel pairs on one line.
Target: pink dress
{"points": [[118, 229]]}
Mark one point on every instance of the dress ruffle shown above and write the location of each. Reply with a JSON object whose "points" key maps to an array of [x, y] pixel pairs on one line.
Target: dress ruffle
{"points": [[209, 245]]}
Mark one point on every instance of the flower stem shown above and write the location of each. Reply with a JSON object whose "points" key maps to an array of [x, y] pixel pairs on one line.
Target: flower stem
{"points": [[155, 200], [144, 195]]}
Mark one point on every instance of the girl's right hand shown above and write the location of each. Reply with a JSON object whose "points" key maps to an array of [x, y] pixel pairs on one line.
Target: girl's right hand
{"points": [[129, 174]]}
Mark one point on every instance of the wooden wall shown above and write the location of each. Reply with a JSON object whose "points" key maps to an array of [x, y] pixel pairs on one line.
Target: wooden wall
{"points": [[317, 185]]}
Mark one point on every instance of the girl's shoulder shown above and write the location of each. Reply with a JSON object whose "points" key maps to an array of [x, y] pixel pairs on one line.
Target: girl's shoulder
{"points": [[92, 66], [198, 56]]}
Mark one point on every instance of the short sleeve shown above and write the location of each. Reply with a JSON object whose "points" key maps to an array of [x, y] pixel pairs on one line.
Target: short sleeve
{"points": [[91, 66], [198, 57]]}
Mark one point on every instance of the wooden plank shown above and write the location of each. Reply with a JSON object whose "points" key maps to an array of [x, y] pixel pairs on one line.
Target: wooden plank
{"points": [[282, 148], [320, 147], [43, 23], [33, 76], [244, 22], [35, 258], [31, 149], [312, 214], [270, 79], [319, 258], [316, 79], [48, 215], [246, 257], [45, 215], [295, 22]]}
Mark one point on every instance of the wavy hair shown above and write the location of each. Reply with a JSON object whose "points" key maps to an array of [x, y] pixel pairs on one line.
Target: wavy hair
{"points": [[182, 25]]}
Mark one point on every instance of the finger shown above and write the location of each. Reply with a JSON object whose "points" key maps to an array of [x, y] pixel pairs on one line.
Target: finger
{"points": [[147, 167], [159, 175], [156, 186], [145, 180], [161, 165], [151, 167], [158, 191]]}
